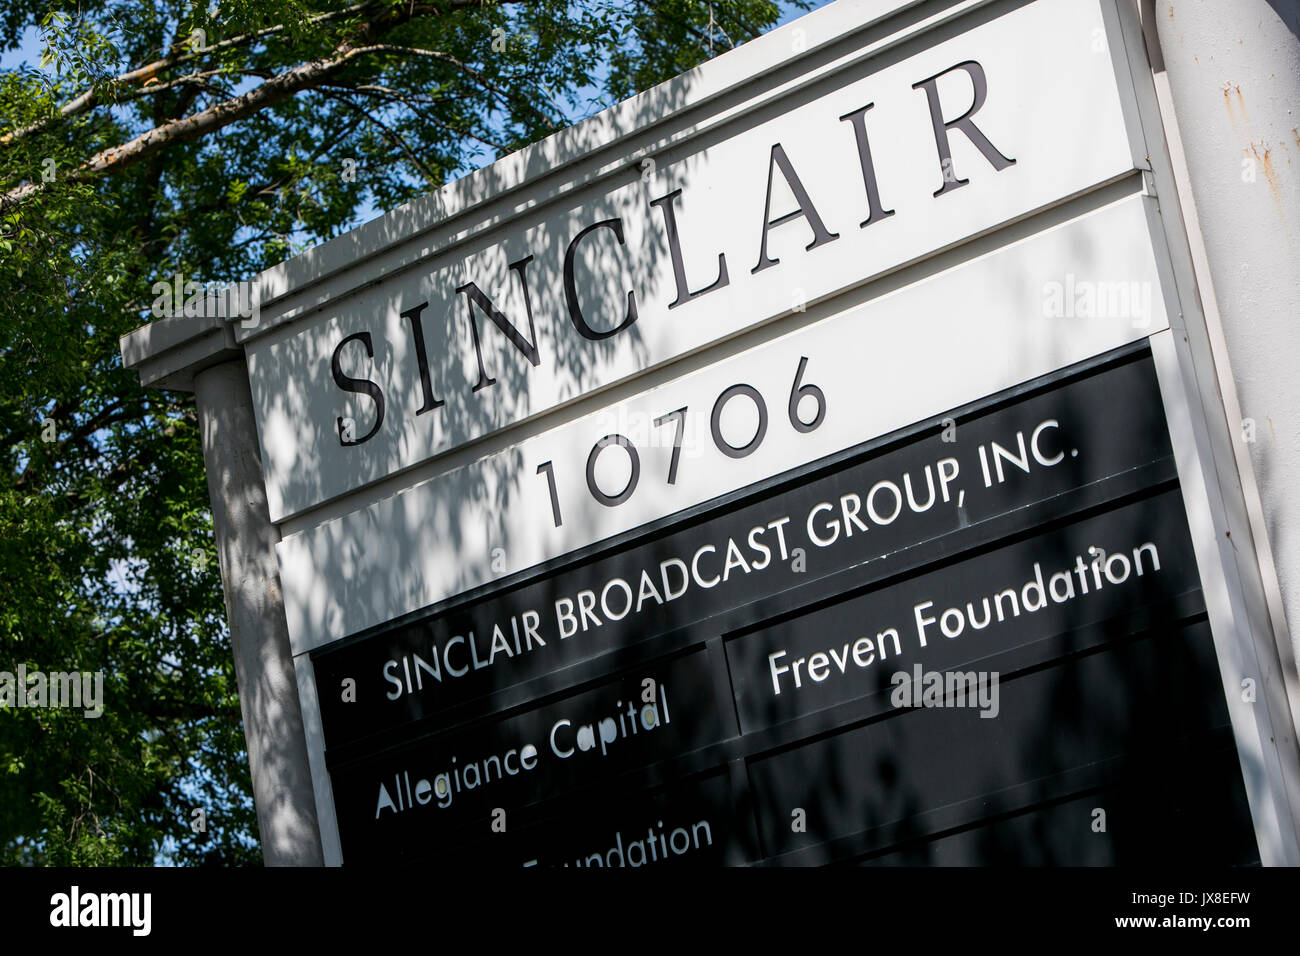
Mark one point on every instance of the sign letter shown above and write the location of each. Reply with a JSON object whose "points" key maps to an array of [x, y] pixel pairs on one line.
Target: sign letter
{"points": [[571, 288], [684, 293], [474, 296], [963, 123], [806, 209], [359, 385]]}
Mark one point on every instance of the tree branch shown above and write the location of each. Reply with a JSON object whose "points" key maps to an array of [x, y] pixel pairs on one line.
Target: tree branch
{"points": [[304, 77], [389, 134], [94, 96], [396, 96]]}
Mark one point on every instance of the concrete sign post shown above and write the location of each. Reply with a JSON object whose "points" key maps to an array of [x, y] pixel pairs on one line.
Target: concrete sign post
{"points": [[200, 356], [818, 457]]}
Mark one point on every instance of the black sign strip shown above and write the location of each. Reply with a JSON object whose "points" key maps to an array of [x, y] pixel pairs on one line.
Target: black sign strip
{"points": [[1075, 641], [344, 756], [1051, 651]]}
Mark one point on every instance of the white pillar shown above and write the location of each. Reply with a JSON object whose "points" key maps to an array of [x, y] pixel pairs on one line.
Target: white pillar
{"points": [[1233, 73], [259, 634]]}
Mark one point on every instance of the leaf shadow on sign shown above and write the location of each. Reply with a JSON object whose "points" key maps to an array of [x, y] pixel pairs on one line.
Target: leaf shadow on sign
{"points": [[454, 536]]}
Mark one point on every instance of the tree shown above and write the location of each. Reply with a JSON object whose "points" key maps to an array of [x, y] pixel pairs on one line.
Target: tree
{"points": [[158, 139]]}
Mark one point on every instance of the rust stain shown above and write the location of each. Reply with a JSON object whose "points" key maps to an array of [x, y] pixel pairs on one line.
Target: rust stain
{"points": [[1229, 90], [1295, 136], [1270, 174], [1266, 163]]}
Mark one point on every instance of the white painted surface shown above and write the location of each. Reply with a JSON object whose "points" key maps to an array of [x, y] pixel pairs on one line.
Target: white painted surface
{"points": [[1052, 105], [947, 340], [1236, 90]]}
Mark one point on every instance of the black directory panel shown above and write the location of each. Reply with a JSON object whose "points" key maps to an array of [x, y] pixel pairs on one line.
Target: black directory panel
{"points": [[980, 640]]}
